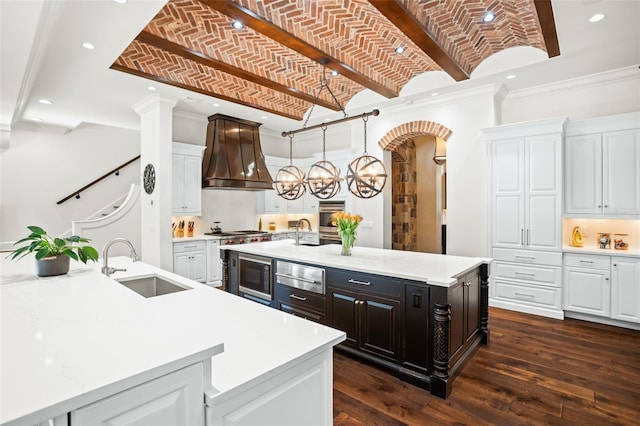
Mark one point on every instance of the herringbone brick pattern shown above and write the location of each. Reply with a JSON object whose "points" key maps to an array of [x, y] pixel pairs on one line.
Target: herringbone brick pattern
{"points": [[399, 135], [352, 31], [458, 27]]}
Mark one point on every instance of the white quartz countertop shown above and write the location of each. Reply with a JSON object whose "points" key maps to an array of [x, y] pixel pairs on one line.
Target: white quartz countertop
{"points": [[604, 252], [434, 269], [70, 340]]}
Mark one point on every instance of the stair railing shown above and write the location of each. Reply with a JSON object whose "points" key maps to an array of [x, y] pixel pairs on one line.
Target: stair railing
{"points": [[115, 171]]}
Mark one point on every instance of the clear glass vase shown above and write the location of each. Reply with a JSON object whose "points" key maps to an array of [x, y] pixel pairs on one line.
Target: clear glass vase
{"points": [[347, 244]]}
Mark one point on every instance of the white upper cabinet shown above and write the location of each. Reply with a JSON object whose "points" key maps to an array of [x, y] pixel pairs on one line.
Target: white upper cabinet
{"points": [[602, 167], [527, 182], [186, 173]]}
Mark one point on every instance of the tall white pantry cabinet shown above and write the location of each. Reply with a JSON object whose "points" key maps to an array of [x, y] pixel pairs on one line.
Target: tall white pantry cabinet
{"points": [[525, 162]]}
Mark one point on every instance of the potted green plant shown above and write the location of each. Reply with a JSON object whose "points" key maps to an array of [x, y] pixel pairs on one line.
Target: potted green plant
{"points": [[53, 254]]}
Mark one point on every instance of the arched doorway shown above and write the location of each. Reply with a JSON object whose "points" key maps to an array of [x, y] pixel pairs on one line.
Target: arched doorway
{"points": [[418, 186]]}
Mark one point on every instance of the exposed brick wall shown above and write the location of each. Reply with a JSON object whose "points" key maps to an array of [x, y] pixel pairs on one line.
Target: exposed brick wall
{"points": [[404, 190], [399, 135]]}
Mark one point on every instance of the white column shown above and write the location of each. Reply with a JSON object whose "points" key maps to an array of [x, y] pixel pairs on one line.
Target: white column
{"points": [[156, 117]]}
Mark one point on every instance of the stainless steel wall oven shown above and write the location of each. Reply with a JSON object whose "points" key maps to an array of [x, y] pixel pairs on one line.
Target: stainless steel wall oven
{"points": [[327, 231]]}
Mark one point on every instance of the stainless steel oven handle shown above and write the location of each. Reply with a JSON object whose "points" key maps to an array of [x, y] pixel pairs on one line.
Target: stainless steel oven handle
{"points": [[293, 296], [306, 280], [352, 281]]}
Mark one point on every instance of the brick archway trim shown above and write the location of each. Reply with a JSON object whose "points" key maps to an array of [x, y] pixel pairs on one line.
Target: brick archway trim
{"points": [[399, 135]]}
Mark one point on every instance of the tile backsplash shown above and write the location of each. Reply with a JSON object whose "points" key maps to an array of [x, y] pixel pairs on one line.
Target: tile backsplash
{"points": [[590, 228]]}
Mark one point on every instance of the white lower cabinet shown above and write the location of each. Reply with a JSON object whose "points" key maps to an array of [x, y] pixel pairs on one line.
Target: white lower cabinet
{"points": [[190, 260], [625, 289], [173, 399], [587, 289], [528, 281], [603, 286]]}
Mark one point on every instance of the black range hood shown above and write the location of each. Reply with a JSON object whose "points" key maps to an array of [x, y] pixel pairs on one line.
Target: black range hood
{"points": [[233, 158]]}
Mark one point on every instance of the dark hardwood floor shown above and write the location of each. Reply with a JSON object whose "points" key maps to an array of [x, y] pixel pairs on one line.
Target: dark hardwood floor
{"points": [[534, 371]]}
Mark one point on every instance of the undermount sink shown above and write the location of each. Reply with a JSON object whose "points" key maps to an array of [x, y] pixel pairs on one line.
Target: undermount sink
{"points": [[306, 243], [152, 286]]}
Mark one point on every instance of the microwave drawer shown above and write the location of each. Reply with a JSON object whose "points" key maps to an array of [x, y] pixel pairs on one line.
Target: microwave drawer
{"points": [[542, 275]]}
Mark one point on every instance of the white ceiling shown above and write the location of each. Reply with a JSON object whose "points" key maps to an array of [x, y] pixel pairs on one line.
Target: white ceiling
{"points": [[42, 58]]}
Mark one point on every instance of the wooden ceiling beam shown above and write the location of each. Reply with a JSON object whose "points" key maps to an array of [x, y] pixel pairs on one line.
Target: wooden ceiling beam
{"points": [[207, 61], [268, 29], [548, 26], [198, 90], [395, 12]]}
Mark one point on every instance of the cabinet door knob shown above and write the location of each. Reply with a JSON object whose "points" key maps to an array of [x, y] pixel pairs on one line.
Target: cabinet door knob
{"points": [[615, 264], [606, 278]]}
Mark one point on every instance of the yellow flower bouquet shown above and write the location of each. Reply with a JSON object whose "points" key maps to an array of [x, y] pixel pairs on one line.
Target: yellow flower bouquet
{"points": [[347, 224]]}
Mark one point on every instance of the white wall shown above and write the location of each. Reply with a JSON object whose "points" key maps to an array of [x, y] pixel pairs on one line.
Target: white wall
{"points": [[41, 168]]}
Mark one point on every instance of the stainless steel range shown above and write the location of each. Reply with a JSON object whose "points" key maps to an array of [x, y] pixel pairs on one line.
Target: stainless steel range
{"points": [[240, 237]]}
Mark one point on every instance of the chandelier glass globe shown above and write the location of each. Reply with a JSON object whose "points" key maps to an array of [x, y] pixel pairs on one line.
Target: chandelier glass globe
{"points": [[290, 182], [366, 176], [324, 179]]}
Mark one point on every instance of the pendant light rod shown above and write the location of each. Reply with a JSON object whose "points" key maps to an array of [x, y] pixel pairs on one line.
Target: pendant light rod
{"points": [[375, 112]]}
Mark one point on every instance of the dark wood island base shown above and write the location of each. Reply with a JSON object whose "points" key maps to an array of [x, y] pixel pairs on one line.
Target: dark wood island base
{"points": [[422, 333]]}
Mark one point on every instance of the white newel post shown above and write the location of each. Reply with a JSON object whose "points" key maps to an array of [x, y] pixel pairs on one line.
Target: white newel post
{"points": [[156, 119]]}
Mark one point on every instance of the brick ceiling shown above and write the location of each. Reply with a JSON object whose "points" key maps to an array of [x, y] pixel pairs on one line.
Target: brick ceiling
{"points": [[273, 63]]}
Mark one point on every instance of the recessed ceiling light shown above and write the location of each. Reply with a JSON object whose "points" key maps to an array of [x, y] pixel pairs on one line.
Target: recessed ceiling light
{"points": [[511, 76], [334, 73], [327, 119], [151, 89], [45, 101], [488, 17], [264, 117], [399, 50], [216, 104], [88, 46], [120, 1], [434, 94], [237, 25], [35, 118], [597, 17]]}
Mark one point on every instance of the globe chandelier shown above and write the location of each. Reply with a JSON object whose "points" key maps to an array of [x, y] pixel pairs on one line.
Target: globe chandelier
{"points": [[290, 179], [365, 178], [366, 175]]}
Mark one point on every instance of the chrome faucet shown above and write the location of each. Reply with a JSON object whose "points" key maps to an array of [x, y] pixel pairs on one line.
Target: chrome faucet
{"points": [[298, 226], [105, 255]]}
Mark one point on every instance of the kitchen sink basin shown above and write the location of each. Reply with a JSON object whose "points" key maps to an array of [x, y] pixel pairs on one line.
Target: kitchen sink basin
{"points": [[306, 243], [152, 286]]}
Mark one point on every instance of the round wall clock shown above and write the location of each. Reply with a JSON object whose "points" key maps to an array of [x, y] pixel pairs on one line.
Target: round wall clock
{"points": [[149, 178]]}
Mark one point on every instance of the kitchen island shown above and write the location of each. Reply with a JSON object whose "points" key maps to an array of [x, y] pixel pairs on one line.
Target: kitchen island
{"points": [[83, 348], [420, 315]]}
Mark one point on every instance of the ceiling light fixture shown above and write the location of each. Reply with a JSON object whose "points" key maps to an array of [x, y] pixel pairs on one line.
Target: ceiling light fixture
{"points": [[323, 177], [88, 45], [120, 1], [237, 25], [216, 104], [45, 101], [366, 176], [335, 73], [511, 76], [290, 179], [435, 94], [488, 17], [151, 89], [597, 17], [399, 50]]}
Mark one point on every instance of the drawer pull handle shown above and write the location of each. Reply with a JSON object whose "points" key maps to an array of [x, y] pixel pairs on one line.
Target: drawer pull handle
{"points": [[528, 274], [189, 246], [586, 261], [359, 282], [306, 280], [524, 295], [293, 296], [525, 257]]}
